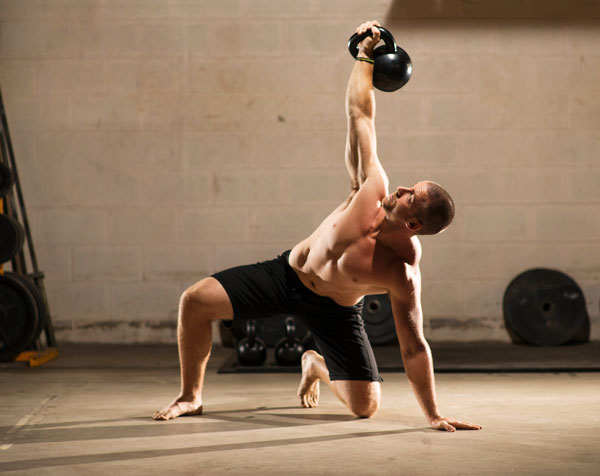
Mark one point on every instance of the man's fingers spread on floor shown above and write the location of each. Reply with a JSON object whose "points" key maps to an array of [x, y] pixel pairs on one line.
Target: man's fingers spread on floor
{"points": [[448, 427], [466, 426]]}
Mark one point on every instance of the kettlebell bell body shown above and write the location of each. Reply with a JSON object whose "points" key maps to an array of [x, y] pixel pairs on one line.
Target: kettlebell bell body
{"points": [[251, 350], [289, 349], [392, 67], [391, 71]]}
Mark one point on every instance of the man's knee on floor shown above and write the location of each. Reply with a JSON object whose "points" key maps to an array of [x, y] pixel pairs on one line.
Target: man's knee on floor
{"points": [[365, 408], [361, 397]]}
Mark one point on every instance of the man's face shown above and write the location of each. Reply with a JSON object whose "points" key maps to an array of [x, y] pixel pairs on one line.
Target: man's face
{"points": [[403, 203]]}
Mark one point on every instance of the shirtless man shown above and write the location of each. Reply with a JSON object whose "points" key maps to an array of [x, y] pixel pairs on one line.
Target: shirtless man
{"points": [[368, 245]]}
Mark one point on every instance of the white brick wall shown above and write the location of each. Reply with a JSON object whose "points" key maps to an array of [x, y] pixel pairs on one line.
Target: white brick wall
{"points": [[106, 263], [142, 226], [178, 263], [162, 140], [69, 226]]}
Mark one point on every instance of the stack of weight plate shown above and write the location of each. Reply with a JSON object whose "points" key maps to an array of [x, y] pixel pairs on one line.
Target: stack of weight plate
{"points": [[22, 308]]}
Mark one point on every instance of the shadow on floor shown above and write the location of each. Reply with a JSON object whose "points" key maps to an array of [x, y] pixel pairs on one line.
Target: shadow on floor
{"points": [[142, 454], [209, 422]]}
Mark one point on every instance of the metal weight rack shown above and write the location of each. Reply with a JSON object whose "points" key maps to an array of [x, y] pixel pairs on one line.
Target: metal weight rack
{"points": [[26, 330]]}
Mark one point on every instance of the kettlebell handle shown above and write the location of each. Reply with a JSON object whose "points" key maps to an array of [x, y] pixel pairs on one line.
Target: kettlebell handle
{"points": [[290, 327], [386, 36], [250, 333]]}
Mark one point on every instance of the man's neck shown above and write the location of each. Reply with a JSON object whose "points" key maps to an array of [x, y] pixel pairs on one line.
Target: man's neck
{"points": [[393, 235]]}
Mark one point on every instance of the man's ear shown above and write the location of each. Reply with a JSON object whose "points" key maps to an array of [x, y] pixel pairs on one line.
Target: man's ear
{"points": [[413, 224]]}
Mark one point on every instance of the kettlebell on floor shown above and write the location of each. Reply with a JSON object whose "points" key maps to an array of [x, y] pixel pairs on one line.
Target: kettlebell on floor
{"points": [[289, 350], [251, 350]]}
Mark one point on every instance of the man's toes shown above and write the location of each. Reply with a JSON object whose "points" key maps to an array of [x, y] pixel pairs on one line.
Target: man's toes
{"points": [[162, 415]]}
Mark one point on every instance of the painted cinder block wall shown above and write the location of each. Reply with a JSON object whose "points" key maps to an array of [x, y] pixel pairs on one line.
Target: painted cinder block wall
{"points": [[160, 141]]}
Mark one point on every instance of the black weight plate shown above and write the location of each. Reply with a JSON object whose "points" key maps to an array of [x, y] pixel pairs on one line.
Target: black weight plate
{"points": [[18, 317], [39, 301], [544, 307], [12, 237], [6, 179], [379, 319]]}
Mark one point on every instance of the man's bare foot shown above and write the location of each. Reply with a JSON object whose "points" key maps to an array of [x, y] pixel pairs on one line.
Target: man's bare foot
{"points": [[177, 408], [308, 391]]}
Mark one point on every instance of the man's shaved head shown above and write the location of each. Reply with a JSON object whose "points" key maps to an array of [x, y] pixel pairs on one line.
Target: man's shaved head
{"points": [[437, 211]]}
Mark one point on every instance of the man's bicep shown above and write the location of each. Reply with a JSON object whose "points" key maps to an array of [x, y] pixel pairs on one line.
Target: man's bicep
{"points": [[408, 317]]}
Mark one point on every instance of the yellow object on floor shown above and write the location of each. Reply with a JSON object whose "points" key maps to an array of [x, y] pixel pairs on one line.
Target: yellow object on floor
{"points": [[37, 358]]}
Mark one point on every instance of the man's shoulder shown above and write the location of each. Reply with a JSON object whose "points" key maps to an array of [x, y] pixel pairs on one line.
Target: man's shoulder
{"points": [[407, 257], [403, 275], [377, 182], [372, 189]]}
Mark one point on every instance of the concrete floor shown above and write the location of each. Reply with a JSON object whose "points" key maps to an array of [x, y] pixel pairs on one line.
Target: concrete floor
{"points": [[89, 411]]}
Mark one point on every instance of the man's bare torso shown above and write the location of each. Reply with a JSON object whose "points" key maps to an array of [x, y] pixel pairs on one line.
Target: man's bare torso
{"points": [[343, 258]]}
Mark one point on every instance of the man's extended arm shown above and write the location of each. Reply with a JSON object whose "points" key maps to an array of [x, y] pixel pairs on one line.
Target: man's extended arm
{"points": [[361, 143], [416, 353]]}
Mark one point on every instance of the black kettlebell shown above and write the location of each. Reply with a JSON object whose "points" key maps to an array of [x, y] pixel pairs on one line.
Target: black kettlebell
{"points": [[392, 68], [289, 349], [309, 343], [251, 350]]}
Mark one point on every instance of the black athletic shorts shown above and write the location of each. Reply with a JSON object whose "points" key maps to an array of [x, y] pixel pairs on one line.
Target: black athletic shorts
{"points": [[272, 287]]}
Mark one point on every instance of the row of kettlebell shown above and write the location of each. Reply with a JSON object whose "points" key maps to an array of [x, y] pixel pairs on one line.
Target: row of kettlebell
{"points": [[252, 350]]}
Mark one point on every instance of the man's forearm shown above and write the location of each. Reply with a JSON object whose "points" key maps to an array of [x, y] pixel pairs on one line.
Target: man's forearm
{"points": [[419, 370], [361, 146], [360, 98], [360, 103]]}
